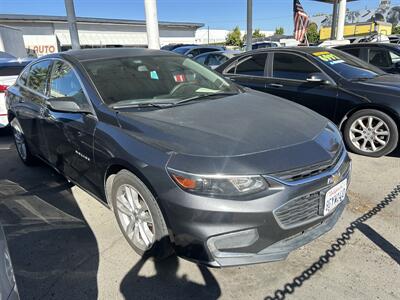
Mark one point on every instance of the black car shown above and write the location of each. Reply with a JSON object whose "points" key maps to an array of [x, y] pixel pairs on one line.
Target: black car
{"points": [[382, 55], [185, 158], [361, 99]]}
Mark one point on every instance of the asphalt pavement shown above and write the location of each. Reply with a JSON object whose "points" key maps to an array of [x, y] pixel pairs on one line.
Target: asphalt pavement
{"points": [[66, 245]]}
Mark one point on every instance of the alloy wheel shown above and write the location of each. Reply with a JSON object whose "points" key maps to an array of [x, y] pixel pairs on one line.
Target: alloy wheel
{"points": [[20, 143], [135, 217], [369, 134]]}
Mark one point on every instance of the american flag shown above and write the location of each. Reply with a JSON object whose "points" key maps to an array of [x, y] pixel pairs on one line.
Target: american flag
{"points": [[301, 21]]}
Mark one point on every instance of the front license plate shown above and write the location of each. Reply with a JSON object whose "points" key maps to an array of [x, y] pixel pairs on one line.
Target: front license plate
{"points": [[335, 196]]}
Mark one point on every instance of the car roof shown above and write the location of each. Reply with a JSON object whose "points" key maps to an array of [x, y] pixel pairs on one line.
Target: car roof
{"points": [[361, 45], [301, 49], [198, 46], [107, 53]]}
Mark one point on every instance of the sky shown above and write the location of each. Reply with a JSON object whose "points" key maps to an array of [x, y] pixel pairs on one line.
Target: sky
{"points": [[217, 14]]}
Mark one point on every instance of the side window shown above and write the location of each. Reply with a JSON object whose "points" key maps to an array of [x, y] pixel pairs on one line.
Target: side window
{"points": [[201, 59], [290, 66], [194, 52], [23, 78], [215, 60], [38, 76], [394, 57], [379, 58], [253, 66], [353, 51], [64, 83]]}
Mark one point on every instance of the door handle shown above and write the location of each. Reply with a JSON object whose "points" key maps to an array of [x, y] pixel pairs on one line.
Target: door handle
{"points": [[275, 85]]}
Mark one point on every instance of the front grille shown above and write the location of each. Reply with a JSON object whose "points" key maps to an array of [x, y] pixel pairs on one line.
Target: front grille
{"points": [[310, 171], [299, 210]]}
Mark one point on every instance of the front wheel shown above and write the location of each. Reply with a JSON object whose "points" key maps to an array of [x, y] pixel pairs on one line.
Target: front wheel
{"points": [[371, 132], [139, 216]]}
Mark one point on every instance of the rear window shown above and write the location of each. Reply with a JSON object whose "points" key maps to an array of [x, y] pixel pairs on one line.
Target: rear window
{"points": [[11, 70]]}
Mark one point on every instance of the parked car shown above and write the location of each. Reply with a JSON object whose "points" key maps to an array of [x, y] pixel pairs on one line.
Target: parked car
{"points": [[261, 45], [358, 97], [171, 47], [9, 71], [187, 160], [382, 55], [214, 59], [8, 286], [193, 51]]}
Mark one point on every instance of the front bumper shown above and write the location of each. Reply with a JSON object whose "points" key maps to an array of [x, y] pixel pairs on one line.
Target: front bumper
{"points": [[223, 232]]}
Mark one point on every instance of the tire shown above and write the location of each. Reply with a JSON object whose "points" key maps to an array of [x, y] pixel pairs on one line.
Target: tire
{"points": [[20, 143], [147, 218], [371, 132]]}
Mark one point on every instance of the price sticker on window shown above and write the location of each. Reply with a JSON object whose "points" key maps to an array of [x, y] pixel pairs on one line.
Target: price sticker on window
{"points": [[328, 57]]}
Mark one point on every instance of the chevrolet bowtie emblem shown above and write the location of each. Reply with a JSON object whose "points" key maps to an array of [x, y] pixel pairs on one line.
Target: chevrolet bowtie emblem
{"points": [[334, 179]]}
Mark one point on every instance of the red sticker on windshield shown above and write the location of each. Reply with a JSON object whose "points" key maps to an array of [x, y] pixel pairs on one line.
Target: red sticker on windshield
{"points": [[179, 78]]}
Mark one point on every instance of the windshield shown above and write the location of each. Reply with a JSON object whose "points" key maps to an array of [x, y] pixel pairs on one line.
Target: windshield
{"points": [[347, 65], [154, 79]]}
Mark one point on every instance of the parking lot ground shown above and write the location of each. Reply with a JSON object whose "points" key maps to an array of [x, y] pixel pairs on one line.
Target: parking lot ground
{"points": [[66, 245]]}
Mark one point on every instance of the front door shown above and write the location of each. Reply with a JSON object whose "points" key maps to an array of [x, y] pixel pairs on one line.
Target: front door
{"points": [[289, 80], [250, 71], [69, 135]]}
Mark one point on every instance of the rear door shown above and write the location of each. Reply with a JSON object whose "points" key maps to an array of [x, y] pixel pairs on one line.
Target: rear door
{"points": [[32, 95], [69, 135], [249, 71], [288, 78]]}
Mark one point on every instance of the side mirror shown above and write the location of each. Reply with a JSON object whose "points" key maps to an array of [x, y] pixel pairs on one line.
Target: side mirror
{"points": [[318, 79], [64, 104], [190, 55]]}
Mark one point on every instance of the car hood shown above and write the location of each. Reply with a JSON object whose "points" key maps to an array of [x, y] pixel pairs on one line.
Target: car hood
{"points": [[385, 84], [247, 126]]}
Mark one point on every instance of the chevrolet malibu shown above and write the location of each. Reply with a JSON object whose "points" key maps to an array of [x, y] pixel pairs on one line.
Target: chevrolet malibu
{"points": [[189, 162]]}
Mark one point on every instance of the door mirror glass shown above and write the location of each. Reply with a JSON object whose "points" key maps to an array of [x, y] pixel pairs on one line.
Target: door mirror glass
{"points": [[63, 104]]}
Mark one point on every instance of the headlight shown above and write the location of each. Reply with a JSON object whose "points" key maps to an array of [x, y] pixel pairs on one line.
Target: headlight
{"points": [[219, 185]]}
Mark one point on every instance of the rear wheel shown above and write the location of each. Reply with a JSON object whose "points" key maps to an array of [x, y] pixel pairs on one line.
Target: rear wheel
{"points": [[21, 145], [371, 132], [139, 216]]}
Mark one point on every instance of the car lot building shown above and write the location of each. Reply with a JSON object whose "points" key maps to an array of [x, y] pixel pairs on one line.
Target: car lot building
{"points": [[48, 34]]}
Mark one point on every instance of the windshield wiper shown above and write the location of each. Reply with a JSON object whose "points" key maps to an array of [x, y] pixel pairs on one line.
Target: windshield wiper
{"points": [[195, 98], [140, 105]]}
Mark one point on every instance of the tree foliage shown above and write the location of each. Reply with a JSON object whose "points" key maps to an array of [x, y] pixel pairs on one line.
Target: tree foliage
{"points": [[257, 34], [312, 33], [396, 30], [279, 31], [234, 38]]}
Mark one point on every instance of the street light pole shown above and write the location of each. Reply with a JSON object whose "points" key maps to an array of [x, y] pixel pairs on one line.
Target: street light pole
{"points": [[73, 30], [153, 35], [249, 34]]}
